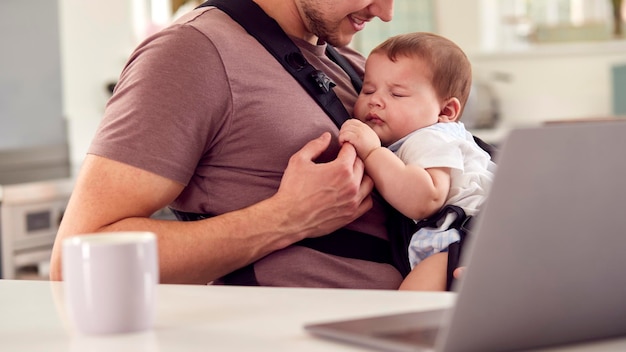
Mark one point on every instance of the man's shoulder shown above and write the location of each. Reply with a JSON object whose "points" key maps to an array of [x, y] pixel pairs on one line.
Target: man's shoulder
{"points": [[208, 20], [201, 15], [356, 59]]}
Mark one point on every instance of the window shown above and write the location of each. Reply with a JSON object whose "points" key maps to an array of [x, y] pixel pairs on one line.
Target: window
{"points": [[515, 23], [150, 16]]}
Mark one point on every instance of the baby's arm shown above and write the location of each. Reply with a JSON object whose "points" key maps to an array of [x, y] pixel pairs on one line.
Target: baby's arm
{"points": [[414, 191]]}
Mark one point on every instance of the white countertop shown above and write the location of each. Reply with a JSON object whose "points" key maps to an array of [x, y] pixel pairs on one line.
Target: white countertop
{"points": [[211, 318], [200, 318], [36, 192]]}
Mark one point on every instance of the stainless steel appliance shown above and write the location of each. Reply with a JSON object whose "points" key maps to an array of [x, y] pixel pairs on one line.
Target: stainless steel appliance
{"points": [[482, 110], [30, 214]]}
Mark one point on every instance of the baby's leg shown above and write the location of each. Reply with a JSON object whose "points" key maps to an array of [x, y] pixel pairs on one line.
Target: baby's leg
{"points": [[428, 275]]}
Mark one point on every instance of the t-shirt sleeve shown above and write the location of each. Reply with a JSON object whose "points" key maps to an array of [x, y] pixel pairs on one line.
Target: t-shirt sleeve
{"points": [[430, 149], [167, 107]]}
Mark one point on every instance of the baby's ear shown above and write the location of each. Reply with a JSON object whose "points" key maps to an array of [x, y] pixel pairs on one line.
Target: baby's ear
{"points": [[450, 111]]}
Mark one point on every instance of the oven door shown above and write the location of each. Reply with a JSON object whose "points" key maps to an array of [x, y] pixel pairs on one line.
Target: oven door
{"points": [[30, 215]]}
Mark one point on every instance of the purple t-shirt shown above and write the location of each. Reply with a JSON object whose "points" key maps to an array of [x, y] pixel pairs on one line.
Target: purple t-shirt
{"points": [[204, 104]]}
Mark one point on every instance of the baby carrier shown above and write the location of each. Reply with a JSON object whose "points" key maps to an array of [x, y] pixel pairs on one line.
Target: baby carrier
{"points": [[262, 27]]}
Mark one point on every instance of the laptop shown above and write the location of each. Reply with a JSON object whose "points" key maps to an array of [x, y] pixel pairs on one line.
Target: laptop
{"points": [[546, 261]]}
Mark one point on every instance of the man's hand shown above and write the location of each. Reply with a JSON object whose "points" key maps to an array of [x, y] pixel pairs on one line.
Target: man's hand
{"points": [[320, 198]]}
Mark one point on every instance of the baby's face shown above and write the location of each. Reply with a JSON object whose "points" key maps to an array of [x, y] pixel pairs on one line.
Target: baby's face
{"points": [[397, 97]]}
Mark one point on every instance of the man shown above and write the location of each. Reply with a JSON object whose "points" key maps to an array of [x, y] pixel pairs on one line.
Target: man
{"points": [[204, 120]]}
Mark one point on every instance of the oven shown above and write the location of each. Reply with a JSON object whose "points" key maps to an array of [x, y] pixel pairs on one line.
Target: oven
{"points": [[30, 214]]}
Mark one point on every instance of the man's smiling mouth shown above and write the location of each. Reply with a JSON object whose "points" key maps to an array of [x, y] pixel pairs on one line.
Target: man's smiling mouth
{"points": [[358, 23]]}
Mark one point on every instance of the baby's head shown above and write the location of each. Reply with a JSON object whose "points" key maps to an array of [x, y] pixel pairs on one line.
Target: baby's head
{"points": [[451, 71]]}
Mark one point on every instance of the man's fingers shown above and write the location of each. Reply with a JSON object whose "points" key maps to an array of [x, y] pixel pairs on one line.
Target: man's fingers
{"points": [[314, 148], [347, 152]]}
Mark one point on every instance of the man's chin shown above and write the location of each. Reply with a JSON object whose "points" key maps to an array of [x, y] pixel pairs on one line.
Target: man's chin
{"points": [[339, 40]]}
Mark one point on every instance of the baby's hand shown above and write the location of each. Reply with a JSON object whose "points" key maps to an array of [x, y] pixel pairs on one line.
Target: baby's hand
{"points": [[360, 135]]}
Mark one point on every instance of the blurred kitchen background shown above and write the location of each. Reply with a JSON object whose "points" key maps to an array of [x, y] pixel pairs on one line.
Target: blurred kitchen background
{"points": [[534, 61]]}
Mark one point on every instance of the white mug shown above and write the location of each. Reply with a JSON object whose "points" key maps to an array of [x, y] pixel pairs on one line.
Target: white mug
{"points": [[110, 281]]}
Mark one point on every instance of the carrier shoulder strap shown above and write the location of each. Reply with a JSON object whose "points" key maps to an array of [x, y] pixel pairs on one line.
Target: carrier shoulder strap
{"points": [[357, 81], [267, 32]]}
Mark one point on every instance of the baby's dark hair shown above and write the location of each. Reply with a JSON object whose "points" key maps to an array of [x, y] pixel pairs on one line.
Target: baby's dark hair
{"points": [[450, 68]]}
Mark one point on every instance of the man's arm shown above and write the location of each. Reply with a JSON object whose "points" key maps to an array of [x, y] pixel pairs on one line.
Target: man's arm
{"points": [[312, 200]]}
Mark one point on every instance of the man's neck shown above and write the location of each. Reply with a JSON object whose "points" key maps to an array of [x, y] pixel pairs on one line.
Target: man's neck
{"points": [[288, 17]]}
